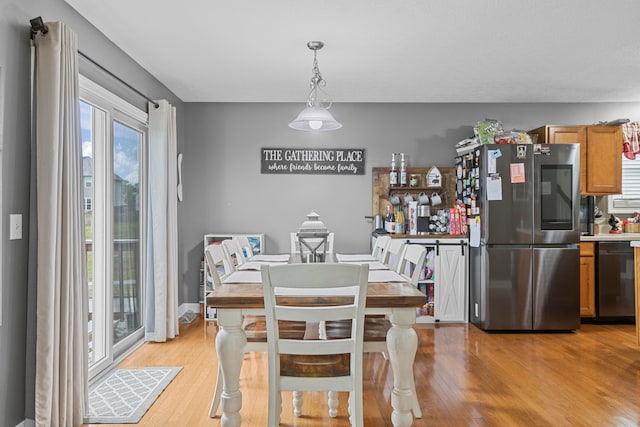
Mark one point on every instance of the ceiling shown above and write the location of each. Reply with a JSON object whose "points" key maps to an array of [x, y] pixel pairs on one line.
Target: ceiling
{"points": [[381, 50]]}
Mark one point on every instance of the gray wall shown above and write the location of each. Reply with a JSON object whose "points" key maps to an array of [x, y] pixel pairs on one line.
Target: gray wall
{"points": [[225, 192], [17, 333]]}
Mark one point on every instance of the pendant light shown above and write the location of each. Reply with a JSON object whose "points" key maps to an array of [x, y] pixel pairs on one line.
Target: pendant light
{"points": [[316, 116]]}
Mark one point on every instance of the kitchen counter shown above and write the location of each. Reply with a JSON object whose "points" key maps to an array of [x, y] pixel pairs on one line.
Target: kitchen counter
{"points": [[427, 236], [601, 237]]}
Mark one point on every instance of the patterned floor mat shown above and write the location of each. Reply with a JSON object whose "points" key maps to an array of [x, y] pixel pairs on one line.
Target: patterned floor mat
{"points": [[125, 395]]}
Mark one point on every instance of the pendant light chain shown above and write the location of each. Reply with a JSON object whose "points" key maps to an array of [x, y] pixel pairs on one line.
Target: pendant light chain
{"points": [[317, 83]]}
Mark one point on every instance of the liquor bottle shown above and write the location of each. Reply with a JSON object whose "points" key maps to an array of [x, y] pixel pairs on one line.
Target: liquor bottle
{"points": [[403, 171], [393, 173], [387, 219], [400, 221], [392, 221]]}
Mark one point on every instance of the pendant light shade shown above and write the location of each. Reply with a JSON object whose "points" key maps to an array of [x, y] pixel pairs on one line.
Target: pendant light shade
{"points": [[316, 116]]}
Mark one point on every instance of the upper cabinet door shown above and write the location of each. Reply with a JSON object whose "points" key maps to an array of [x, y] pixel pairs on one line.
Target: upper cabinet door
{"points": [[604, 160], [572, 135], [600, 154]]}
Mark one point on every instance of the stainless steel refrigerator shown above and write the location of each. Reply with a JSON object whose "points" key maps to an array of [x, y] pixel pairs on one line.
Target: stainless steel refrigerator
{"points": [[525, 263]]}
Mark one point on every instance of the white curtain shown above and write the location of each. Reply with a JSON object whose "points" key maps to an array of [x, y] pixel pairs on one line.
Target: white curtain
{"points": [[61, 343], [162, 237]]}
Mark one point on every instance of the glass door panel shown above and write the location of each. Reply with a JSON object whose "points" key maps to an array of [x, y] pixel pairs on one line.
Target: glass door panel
{"points": [[127, 308], [93, 138]]}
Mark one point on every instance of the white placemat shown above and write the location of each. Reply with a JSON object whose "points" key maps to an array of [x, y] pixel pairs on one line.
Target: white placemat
{"points": [[271, 258], [373, 265], [385, 276], [244, 277], [354, 257], [256, 265]]}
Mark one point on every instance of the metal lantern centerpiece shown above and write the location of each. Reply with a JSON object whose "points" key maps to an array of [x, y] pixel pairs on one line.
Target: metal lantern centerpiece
{"points": [[312, 235]]}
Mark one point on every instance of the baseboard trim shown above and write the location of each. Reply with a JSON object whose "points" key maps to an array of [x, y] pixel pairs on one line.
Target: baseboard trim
{"points": [[193, 307]]}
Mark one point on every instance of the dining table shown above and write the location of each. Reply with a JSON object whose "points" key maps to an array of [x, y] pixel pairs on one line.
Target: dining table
{"points": [[387, 294]]}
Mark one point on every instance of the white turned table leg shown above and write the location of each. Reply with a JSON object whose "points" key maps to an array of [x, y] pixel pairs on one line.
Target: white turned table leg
{"points": [[402, 342], [332, 402], [297, 403], [230, 343]]}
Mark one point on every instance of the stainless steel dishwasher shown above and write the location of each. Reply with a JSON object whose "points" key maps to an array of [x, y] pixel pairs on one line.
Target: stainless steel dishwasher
{"points": [[615, 286]]}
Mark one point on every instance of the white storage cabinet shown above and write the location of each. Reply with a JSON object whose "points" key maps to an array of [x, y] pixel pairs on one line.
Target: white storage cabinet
{"points": [[445, 280]]}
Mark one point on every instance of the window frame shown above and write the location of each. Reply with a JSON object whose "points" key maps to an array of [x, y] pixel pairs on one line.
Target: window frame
{"points": [[115, 109], [618, 203]]}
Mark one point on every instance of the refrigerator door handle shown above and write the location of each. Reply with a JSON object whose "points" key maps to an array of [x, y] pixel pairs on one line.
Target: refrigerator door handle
{"points": [[557, 246]]}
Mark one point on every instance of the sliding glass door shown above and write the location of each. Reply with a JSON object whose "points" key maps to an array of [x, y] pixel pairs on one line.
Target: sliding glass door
{"points": [[114, 192]]}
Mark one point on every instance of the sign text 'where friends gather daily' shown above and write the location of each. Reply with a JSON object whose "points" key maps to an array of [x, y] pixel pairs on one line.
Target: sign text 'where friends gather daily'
{"points": [[313, 161]]}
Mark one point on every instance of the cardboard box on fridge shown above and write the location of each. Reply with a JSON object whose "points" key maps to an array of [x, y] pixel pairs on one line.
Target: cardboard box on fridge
{"points": [[455, 226]]}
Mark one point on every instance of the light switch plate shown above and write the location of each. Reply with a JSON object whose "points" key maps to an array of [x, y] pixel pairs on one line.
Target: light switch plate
{"points": [[15, 226]]}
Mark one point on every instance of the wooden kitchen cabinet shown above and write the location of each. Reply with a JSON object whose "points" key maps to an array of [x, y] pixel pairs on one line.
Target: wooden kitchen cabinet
{"points": [[587, 280], [600, 154]]}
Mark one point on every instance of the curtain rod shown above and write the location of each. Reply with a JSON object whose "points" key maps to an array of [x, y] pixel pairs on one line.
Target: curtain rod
{"points": [[38, 25], [155, 104]]}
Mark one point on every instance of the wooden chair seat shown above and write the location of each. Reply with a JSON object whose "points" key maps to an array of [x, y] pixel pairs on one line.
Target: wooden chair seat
{"points": [[255, 328], [315, 365]]}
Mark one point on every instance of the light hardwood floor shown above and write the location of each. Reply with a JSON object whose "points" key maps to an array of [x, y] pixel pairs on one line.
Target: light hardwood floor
{"points": [[464, 377]]}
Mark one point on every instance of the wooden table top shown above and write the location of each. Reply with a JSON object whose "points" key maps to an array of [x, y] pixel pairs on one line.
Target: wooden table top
{"points": [[379, 295]]}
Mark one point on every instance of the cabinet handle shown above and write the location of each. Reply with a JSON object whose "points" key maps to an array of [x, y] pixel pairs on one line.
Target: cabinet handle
{"points": [[462, 247], [437, 247]]}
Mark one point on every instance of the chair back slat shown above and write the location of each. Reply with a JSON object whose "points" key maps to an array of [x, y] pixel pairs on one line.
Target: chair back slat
{"points": [[327, 313]]}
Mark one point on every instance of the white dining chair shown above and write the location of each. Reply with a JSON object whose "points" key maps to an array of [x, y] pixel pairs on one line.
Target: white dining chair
{"points": [[380, 247], [243, 243], [328, 245], [336, 364], [412, 262], [234, 252], [215, 255], [330, 240], [293, 240], [216, 264], [393, 253]]}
